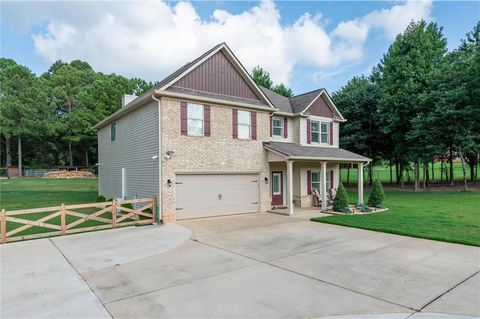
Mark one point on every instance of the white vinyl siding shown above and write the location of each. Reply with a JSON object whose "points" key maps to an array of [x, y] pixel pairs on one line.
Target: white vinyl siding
{"points": [[244, 125], [195, 120], [136, 142], [293, 131]]}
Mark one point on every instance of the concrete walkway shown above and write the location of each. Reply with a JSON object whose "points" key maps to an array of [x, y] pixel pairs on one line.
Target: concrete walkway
{"points": [[43, 278], [258, 265]]}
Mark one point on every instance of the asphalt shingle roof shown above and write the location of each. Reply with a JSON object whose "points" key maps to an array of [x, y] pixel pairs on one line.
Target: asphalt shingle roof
{"points": [[300, 102], [295, 104], [295, 150], [279, 101]]}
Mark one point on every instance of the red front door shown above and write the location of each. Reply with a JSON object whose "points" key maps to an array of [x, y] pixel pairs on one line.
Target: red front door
{"points": [[277, 188]]}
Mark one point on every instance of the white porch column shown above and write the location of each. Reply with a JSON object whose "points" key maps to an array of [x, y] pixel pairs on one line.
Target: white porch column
{"points": [[323, 185], [360, 183], [290, 187]]}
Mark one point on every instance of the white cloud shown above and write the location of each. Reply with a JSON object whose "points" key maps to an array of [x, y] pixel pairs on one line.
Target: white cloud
{"points": [[395, 19], [149, 39]]}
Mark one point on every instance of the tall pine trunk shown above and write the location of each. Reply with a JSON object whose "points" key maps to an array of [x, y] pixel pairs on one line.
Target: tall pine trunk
{"points": [[8, 154], [464, 171], [397, 174], [86, 157], [20, 165], [348, 174], [441, 170], [416, 173], [433, 171], [391, 176], [401, 174], [425, 175], [370, 175], [451, 166], [70, 154]]}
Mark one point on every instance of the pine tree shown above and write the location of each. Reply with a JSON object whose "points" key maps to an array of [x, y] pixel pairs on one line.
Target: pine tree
{"points": [[377, 196], [340, 203]]}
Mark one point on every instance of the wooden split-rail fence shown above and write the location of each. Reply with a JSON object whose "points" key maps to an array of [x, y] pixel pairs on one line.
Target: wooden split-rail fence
{"points": [[104, 215]]}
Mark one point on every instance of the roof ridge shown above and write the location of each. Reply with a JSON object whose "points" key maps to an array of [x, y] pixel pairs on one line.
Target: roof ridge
{"points": [[320, 89]]}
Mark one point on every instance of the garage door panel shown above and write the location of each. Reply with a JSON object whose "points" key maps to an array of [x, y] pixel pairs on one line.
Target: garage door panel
{"points": [[215, 195]]}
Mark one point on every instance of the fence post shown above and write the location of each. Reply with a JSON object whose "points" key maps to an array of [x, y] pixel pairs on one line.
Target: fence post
{"points": [[63, 226], [3, 226], [154, 209], [114, 213]]}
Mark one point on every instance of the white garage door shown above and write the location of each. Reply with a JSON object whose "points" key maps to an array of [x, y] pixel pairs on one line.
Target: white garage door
{"points": [[216, 195]]}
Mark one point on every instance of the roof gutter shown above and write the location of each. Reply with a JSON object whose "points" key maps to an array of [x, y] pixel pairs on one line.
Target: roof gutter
{"points": [[177, 95], [310, 158], [124, 110]]}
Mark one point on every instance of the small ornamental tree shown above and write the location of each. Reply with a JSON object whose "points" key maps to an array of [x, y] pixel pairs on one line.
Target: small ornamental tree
{"points": [[340, 203], [377, 195]]}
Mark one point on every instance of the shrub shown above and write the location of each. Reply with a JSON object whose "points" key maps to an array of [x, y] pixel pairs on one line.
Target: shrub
{"points": [[377, 195], [341, 200], [100, 198]]}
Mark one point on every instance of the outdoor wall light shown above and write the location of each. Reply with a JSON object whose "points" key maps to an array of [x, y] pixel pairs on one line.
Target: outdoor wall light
{"points": [[266, 180], [154, 157], [169, 182], [168, 155]]}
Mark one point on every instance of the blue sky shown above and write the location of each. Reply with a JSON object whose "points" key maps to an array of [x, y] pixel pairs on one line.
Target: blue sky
{"points": [[304, 44]]}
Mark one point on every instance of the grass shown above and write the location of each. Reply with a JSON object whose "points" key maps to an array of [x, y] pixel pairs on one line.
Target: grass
{"points": [[445, 216], [38, 192], [382, 173], [27, 193]]}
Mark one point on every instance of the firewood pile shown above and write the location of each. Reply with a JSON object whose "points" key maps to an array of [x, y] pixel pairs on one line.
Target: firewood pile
{"points": [[69, 174]]}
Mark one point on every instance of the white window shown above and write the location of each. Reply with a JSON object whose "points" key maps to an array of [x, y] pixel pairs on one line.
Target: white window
{"points": [[244, 124], [320, 132], [325, 132], [194, 119], [277, 184], [315, 131], [277, 126], [316, 180]]}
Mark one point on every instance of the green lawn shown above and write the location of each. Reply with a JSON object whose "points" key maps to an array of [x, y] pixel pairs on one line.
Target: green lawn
{"points": [[26, 193], [40, 192], [382, 173], [445, 216]]}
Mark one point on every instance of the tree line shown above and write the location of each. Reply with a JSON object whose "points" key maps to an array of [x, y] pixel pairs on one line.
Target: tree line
{"points": [[419, 106], [47, 120]]}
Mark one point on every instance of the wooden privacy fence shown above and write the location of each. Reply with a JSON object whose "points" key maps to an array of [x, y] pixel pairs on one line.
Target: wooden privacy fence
{"points": [[66, 219]]}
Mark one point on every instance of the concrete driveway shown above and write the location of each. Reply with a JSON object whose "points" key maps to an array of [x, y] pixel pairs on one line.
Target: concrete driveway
{"points": [[265, 265]]}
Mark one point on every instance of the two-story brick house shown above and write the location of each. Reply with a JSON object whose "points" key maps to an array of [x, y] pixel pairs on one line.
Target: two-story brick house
{"points": [[208, 141]]}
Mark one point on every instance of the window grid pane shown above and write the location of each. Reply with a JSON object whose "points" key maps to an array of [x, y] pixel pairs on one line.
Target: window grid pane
{"points": [[194, 119], [244, 117]]}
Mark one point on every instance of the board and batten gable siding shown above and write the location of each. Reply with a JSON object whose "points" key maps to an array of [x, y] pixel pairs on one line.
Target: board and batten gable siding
{"points": [[320, 108], [218, 75], [135, 144]]}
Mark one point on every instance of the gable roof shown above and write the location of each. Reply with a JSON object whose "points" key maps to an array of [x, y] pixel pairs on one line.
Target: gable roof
{"points": [[302, 101], [298, 104], [189, 67], [281, 102]]}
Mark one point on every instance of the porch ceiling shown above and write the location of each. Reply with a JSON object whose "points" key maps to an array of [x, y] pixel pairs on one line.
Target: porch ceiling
{"points": [[294, 151]]}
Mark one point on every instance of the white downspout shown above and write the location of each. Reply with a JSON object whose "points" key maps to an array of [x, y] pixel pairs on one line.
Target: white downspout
{"points": [[159, 198]]}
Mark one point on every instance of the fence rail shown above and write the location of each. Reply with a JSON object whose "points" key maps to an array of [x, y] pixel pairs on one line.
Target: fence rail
{"points": [[66, 219]]}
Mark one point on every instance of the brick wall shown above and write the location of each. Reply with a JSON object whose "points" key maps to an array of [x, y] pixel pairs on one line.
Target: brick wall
{"points": [[214, 154]]}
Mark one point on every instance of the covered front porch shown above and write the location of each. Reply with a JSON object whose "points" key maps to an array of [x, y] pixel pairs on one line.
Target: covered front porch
{"points": [[305, 178]]}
